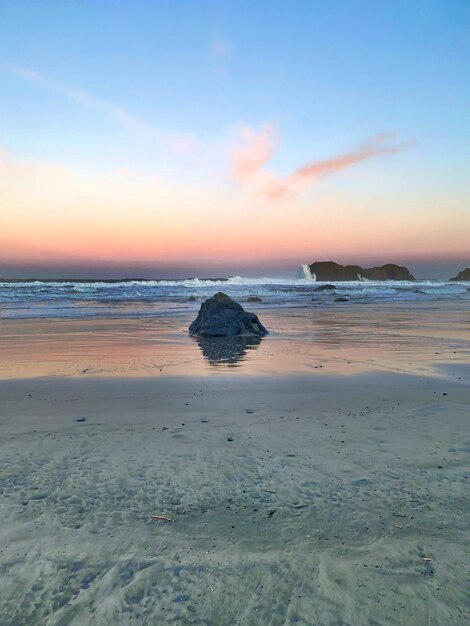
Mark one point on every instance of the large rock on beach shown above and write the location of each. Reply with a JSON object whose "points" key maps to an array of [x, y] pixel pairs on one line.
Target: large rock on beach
{"points": [[220, 316], [329, 270], [463, 275]]}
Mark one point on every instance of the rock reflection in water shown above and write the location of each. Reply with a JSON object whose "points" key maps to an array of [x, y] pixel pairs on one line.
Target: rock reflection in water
{"points": [[227, 350]]}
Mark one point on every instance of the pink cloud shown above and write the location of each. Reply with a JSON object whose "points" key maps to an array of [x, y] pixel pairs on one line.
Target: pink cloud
{"points": [[253, 152], [377, 146], [257, 147]]}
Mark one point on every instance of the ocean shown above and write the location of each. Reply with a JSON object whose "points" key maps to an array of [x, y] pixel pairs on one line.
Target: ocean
{"points": [[29, 299]]}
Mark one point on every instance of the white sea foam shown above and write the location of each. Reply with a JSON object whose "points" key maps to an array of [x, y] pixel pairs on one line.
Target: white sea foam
{"points": [[306, 274], [159, 297]]}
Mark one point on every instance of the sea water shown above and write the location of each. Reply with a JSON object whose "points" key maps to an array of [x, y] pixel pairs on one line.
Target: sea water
{"points": [[142, 298]]}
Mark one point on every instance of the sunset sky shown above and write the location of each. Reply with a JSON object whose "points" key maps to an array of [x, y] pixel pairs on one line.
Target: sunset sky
{"points": [[182, 138]]}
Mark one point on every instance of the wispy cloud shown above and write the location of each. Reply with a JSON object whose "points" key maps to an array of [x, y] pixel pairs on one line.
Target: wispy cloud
{"points": [[54, 210], [253, 151], [175, 142], [81, 97], [221, 53], [220, 47], [256, 148]]}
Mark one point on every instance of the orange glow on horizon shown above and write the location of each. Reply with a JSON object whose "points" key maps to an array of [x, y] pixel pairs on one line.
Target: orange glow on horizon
{"points": [[51, 211]]}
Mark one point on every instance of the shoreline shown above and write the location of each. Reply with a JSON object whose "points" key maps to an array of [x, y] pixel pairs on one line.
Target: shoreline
{"points": [[95, 300], [342, 339]]}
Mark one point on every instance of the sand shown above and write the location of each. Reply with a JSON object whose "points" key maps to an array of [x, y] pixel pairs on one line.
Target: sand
{"points": [[333, 495], [413, 338]]}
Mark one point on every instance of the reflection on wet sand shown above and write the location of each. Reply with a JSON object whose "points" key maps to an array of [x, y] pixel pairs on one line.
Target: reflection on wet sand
{"points": [[227, 350], [350, 340]]}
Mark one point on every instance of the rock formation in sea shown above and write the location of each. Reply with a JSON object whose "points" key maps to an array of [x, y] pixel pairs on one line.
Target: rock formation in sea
{"points": [[329, 270], [326, 287], [220, 316], [463, 275]]}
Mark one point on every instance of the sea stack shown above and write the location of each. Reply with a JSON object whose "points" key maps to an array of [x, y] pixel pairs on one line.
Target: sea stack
{"points": [[220, 316], [329, 270], [463, 275]]}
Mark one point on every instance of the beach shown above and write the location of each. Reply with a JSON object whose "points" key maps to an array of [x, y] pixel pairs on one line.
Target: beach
{"points": [[316, 477], [234, 313]]}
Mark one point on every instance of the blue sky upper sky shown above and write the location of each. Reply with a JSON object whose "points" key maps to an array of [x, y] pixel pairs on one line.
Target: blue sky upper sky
{"points": [[183, 92]]}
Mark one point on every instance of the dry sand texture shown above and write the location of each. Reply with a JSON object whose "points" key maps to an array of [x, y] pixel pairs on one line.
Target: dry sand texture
{"points": [[296, 501]]}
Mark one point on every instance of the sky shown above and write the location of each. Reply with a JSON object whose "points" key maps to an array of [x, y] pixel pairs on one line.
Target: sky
{"points": [[207, 138]]}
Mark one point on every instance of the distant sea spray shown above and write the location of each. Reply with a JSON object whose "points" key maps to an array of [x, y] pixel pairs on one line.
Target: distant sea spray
{"points": [[306, 274]]}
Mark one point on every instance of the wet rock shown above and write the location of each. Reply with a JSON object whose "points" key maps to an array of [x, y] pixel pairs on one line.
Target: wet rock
{"points": [[253, 299], [326, 287], [342, 299], [220, 316]]}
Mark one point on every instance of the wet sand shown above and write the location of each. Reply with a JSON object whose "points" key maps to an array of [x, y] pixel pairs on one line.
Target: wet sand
{"points": [[333, 495], [343, 339]]}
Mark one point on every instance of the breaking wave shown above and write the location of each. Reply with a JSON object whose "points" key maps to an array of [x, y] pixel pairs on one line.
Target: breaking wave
{"points": [[133, 297]]}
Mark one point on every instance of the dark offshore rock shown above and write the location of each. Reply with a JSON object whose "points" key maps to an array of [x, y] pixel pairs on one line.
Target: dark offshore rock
{"points": [[253, 299], [390, 271], [220, 316], [325, 288], [463, 275], [342, 299], [329, 270]]}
